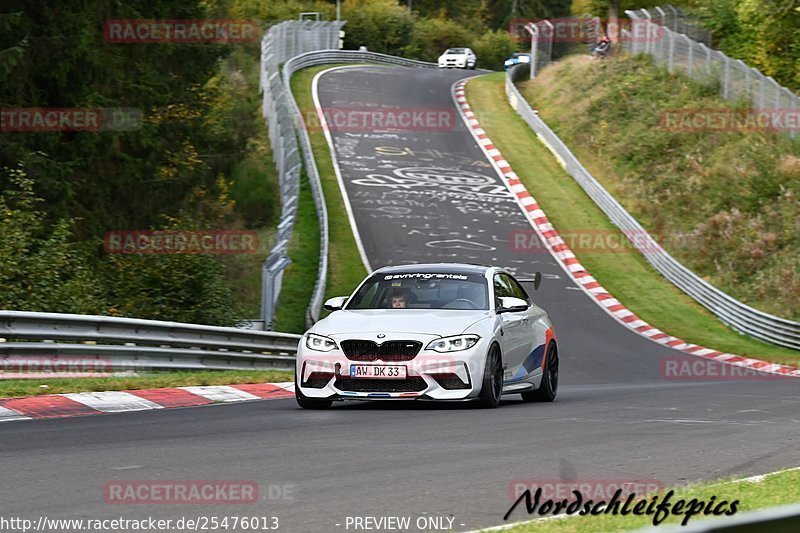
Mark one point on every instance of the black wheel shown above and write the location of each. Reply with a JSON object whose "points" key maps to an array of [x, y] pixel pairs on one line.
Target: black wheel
{"points": [[492, 387], [549, 387], [309, 403]]}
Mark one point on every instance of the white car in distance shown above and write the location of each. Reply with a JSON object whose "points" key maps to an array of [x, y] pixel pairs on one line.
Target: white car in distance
{"points": [[458, 58]]}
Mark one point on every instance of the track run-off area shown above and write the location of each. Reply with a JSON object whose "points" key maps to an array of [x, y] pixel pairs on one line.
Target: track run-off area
{"points": [[420, 195]]}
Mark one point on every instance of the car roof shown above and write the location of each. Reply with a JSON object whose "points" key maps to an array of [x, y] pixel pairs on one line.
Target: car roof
{"points": [[442, 268]]}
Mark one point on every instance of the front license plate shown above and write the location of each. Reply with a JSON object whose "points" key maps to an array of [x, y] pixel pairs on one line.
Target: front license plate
{"points": [[378, 371]]}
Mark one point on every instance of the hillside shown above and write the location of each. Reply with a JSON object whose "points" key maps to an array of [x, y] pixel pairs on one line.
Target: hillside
{"points": [[726, 203]]}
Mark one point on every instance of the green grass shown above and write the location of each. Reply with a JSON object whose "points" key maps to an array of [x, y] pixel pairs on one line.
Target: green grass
{"points": [[300, 276], [776, 489], [345, 269], [10, 388], [627, 276]]}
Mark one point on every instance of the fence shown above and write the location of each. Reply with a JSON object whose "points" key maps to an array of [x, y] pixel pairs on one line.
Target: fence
{"points": [[282, 42], [543, 35], [676, 20], [134, 344], [737, 315], [736, 80]]}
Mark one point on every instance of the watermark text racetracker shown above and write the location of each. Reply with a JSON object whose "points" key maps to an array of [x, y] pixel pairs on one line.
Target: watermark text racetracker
{"points": [[372, 119], [594, 241], [148, 524], [577, 29], [742, 120], [680, 367], [59, 119], [181, 242], [61, 366], [180, 31]]}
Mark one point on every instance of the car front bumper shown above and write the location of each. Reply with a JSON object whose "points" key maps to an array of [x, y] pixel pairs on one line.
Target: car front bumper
{"points": [[430, 375], [453, 63]]}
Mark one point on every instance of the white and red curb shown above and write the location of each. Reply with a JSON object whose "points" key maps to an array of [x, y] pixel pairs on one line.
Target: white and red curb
{"points": [[564, 256], [95, 403]]}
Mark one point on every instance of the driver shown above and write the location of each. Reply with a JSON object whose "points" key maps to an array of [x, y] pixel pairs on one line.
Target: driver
{"points": [[399, 300]]}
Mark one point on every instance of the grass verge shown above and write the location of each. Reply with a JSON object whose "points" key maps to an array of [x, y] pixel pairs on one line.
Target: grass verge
{"points": [[10, 388], [300, 276], [772, 490], [721, 196], [628, 276]]}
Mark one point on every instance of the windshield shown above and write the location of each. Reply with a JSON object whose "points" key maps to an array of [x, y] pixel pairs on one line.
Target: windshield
{"points": [[422, 290], [455, 51]]}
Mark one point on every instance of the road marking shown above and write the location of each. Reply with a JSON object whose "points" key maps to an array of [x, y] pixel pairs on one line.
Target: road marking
{"points": [[221, 393], [7, 415], [112, 401]]}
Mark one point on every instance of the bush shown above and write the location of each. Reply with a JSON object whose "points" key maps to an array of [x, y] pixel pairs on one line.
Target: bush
{"points": [[493, 48], [41, 269], [180, 287], [380, 25], [431, 37]]}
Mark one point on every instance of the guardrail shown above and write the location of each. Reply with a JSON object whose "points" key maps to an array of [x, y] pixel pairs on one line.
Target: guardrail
{"points": [[290, 113], [732, 312], [282, 42], [299, 45], [127, 343]]}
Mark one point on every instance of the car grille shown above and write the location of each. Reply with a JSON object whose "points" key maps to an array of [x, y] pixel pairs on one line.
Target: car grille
{"points": [[363, 350], [412, 384]]}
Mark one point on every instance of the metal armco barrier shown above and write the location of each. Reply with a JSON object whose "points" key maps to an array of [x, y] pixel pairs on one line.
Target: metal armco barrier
{"points": [[282, 42], [732, 312], [142, 344], [286, 123]]}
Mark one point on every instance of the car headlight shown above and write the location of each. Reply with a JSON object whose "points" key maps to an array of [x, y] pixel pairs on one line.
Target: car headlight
{"points": [[320, 343], [453, 344]]}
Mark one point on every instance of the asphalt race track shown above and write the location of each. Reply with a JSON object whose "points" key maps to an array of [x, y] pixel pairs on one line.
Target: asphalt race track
{"points": [[420, 196]]}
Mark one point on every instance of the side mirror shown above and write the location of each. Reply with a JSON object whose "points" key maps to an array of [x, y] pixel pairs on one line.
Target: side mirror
{"points": [[509, 304], [335, 304]]}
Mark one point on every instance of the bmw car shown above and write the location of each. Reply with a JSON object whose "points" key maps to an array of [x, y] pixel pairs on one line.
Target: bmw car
{"points": [[458, 58], [435, 332]]}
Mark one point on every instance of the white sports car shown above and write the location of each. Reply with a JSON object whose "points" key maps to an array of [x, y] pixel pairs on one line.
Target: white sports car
{"points": [[437, 331], [458, 58]]}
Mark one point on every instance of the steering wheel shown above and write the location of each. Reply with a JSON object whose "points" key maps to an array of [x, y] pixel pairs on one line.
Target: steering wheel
{"points": [[470, 303]]}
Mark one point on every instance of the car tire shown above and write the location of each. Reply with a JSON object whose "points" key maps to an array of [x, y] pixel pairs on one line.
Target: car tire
{"points": [[549, 387], [309, 403], [492, 386]]}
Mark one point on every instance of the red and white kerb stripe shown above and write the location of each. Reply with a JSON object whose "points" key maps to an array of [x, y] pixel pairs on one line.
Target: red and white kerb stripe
{"points": [[95, 403]]}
